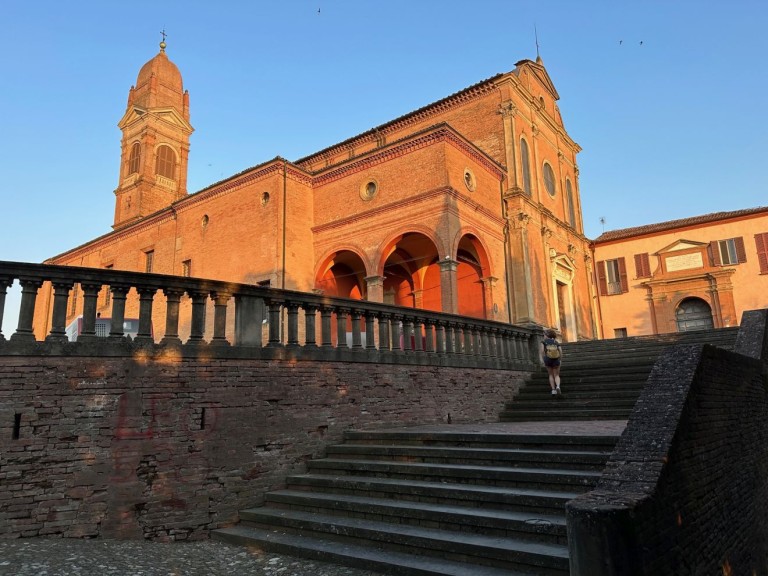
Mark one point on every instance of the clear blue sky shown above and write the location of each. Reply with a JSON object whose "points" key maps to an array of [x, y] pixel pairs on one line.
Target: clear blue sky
{"points": [[666, 98]]}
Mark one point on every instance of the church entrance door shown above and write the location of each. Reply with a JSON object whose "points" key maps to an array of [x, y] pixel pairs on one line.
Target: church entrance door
{"points": [[694, 314]]}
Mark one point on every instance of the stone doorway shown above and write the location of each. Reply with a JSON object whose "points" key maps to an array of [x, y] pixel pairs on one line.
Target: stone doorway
{"points": [[694, 314]]}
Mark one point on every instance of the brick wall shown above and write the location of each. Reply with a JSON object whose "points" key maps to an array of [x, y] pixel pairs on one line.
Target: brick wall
{"points": [[166, 447], [685, 491]]}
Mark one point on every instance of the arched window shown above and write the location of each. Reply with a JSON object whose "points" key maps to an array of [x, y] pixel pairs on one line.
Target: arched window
{"points": [[526, 165], [549, 180], [166, 162], [134, 161], [571, 208]]}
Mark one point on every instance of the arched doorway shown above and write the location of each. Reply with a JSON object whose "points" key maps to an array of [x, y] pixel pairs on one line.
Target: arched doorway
{"points": [[693, 314]]}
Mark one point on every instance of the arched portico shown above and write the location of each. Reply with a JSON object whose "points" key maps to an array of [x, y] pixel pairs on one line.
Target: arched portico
{"points": [[410, 271], [474, 282]]}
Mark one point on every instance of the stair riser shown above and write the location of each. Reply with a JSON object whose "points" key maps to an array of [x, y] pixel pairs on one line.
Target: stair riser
{"points": [[506, 502], [552, 534], [574, 462], [553, 483], [498, 441], [445, 549]]}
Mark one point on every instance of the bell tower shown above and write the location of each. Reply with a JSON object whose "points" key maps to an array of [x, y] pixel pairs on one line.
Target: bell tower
{"points": [[155, 143]]}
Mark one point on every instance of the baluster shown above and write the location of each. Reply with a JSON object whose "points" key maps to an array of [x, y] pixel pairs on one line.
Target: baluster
{"points": [[310, 316], [450, 338], [341, 327], [146, 300], [429, 326], [485, 342], [396, 334], [5, 283], [458, 334], [172, 301], [61, 291], [384, 340], [493, 350], [357, 339], [326, 317], [419, 334], [197, 324], [220, 300], [407, 333], [90, 298], [440, 337], [478, 341], [293, 323], [119, 293], [274, 323], [370, 333]]}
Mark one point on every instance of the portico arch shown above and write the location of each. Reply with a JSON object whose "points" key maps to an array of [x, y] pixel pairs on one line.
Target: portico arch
{"points": [[409, 266], [474, 282], [342, 273]]}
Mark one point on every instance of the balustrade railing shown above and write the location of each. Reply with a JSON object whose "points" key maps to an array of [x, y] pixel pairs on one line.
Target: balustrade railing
{"points": [[302, 323]]}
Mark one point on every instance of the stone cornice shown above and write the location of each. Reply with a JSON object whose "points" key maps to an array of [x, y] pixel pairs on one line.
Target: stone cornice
{"points": [[435, 135]]}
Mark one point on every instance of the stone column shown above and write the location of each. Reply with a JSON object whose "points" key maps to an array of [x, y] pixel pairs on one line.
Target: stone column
{"points": [[449, 286], [488, 284], [375, 288], [508, 111]]}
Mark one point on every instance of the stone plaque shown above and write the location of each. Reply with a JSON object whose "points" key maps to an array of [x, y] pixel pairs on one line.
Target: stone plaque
{"points": [[684, 262]]}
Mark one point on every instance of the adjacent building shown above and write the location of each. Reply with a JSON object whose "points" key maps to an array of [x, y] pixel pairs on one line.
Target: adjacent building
{"points": [[688, 274]]}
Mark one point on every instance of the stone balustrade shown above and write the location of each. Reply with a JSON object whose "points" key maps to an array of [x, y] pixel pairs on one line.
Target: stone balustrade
{"points": [[379, 332]]}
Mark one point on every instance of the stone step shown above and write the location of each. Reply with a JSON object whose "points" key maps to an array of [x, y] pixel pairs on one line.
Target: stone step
{"points": [[597, 381], [486, 456], [491, 475], [480, 439], [566, 415], [566, 401], [362, 557], [493, 551], [532, 500], [576, 392], [509, 524]]}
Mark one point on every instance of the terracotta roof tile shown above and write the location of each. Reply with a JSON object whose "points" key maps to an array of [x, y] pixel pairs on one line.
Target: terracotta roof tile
{"points": [[672, 224]]}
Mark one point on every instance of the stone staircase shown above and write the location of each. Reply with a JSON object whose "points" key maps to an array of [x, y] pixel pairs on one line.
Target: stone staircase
{"points": [[458, 500], [602, 379], [429, 503]]}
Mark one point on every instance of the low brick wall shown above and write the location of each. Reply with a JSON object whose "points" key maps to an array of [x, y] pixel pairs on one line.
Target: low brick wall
{"points": [[164, 447], [686, 490]]}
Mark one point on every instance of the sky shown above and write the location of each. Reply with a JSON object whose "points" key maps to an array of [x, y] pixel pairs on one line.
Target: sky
{"points": [[666, 98]]}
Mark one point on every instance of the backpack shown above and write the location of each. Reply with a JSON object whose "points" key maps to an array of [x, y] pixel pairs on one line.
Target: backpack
{"points": [[551, 349]]}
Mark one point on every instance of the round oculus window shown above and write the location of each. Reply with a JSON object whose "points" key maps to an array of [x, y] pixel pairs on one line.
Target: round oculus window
{"points": [[369, 189], [549, 179], [469, 180]]}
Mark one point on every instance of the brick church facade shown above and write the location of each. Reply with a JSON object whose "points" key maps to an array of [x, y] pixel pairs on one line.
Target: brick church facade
{"points": [[468, 205]]}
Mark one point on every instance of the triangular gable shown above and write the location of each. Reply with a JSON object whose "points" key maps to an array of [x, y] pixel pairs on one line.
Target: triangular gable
{"points": [[540, 73], [169, 115], [681, 245]]}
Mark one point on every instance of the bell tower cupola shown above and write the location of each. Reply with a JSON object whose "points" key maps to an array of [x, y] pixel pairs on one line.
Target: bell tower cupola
{"points": [[155, 143]]}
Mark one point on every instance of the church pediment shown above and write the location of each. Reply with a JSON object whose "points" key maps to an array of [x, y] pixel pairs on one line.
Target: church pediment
{"points": [[168, 115], [540, 73]]}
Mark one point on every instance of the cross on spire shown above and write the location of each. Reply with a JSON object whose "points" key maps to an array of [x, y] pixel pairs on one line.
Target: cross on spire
{"points": [[162, 44]]}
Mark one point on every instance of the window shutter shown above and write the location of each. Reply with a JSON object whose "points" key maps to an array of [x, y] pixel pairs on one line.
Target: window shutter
{"points": [[602, 282], [714, 253], [623, 275], [761, 240], [642, 265], [741, 253]]}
